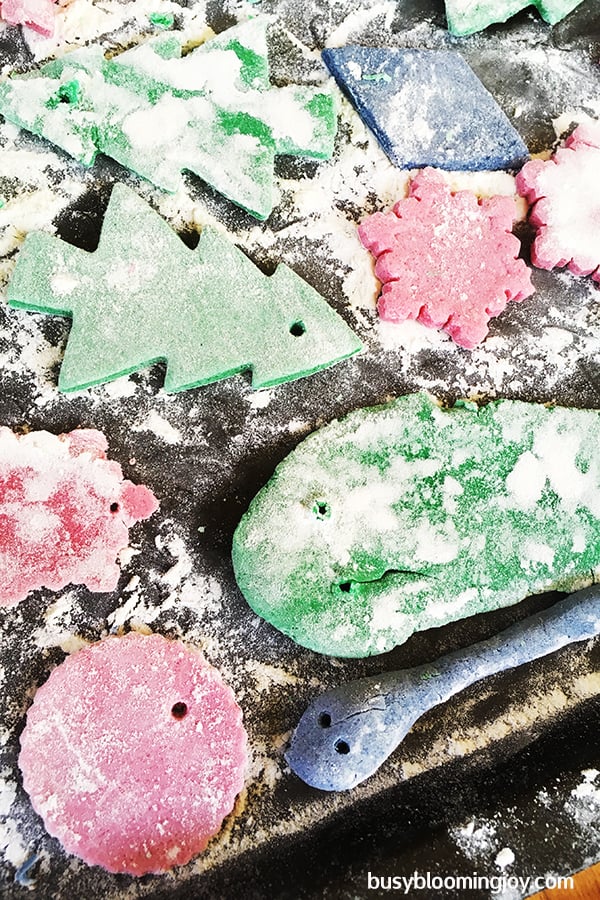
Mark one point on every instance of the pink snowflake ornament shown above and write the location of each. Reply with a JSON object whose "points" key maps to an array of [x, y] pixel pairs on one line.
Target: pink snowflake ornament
{"points": [[448, 260], [38, 14], [565, 193], [65, 512]]}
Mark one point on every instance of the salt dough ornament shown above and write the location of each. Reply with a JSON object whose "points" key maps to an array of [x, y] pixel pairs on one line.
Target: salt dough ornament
{"points": [[212, 112], [144, 296], [427, 108], [408, 516], [65, 512], [565, 193], [133, 753], [37, 14], [466, 17], [348, 732], [447, 259]]}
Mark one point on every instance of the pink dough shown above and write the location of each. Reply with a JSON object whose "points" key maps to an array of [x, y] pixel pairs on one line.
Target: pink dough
{"points": [[38, 14], [565, 191], [65, 512], [133, 753], [448, 260]]}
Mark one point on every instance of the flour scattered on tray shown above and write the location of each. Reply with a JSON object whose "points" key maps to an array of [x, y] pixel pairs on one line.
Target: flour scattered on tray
{"points": [[184, 587]]}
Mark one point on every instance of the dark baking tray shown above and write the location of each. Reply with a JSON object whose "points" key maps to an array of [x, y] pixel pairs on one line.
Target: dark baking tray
{"points": [[519, 786]]}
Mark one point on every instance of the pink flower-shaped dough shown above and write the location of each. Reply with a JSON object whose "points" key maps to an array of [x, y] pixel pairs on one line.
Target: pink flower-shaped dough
{"points": [[38, 14], [448, 260], [65, 512], [565, 191]]}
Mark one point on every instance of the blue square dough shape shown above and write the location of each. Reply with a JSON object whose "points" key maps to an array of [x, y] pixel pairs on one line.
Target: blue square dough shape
{"points": [[427, 108]]}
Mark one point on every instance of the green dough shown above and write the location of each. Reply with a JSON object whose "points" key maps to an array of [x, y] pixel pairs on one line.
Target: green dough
{"points": [[212, 112], [162, 20], [408, 516], [143, 296], [469, 16]]}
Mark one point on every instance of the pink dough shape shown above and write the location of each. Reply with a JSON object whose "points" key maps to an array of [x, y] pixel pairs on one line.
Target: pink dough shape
{"points": [[65, 512], [565, 191], [448, 260], [38, 14], [133, 753]]}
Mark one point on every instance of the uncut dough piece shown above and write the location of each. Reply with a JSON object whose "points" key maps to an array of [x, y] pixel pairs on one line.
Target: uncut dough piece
{"points": [[565, 193], [65, 512], [133, 753], [408, 516], [447, 259]]}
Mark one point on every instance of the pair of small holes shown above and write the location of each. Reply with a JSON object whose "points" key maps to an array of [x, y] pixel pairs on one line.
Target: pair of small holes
{"points": [[297, 329], [179, 710], [341, 746]]}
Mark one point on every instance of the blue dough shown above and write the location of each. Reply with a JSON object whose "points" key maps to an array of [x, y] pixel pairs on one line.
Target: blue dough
{"points": [[427, 108], [348, 732]]}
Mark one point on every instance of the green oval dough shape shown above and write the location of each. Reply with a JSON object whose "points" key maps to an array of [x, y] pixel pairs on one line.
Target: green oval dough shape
{"points": [[408, 516]]}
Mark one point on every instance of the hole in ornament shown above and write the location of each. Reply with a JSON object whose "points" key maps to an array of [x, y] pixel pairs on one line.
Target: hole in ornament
{"points": [[179, 710], [321, 509], [114, 507], [69, 92], [298, 329], [324, 720], [342, 746], [345, 586]]}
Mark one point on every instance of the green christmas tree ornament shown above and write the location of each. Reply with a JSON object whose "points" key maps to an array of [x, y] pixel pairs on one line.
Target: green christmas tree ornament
{"points": [[409, 516], [144, 297], [469, 16], [212, 112]]}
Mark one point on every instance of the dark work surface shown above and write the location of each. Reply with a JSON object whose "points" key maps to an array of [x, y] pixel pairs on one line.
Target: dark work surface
{"points": [[507, 756]]}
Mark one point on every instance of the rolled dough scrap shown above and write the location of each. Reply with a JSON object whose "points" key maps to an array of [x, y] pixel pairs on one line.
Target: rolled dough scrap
{"points": [[133, 753], [427, 108], [467, 17], [144, 296], [408, 516], [447, 259], [565, 193], [65, 512], [37, 14], [212, 111]]}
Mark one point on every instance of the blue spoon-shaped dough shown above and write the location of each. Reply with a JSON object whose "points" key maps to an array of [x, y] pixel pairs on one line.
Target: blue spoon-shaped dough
{"points": [[348, 732]]}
